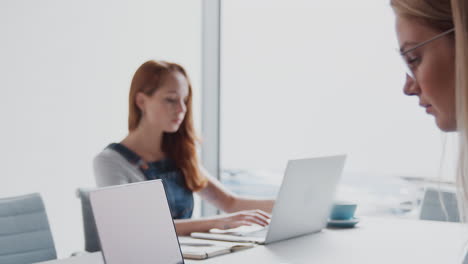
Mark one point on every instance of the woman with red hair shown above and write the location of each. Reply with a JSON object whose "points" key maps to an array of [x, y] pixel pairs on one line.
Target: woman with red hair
{"points": [[161, 144]]}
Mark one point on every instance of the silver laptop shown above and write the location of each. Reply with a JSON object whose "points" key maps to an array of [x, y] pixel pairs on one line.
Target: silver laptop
{"points": [[135, 225], [303, 204]]}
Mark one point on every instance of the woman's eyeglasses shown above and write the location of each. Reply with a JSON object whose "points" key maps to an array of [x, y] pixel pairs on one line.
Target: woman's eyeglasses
{"points": [[408, 69]]}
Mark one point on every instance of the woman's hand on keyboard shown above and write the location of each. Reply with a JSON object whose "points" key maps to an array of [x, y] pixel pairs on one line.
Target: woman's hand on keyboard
{"points": [[242, 218]]}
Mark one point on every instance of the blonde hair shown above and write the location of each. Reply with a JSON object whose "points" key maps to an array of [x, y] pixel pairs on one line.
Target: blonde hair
{"points": [[460, 18], [443, 15]]}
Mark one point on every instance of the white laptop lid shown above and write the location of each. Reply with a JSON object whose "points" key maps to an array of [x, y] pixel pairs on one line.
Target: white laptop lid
{"points": [[135, 225], [305, 197]]}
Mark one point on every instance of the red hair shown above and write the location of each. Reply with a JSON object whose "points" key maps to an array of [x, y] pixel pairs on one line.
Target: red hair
{"points": [[181, 145]]}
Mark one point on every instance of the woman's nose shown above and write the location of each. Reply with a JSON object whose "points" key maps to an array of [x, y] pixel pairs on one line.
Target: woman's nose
{"points": [[182, 107], [411, 86]]}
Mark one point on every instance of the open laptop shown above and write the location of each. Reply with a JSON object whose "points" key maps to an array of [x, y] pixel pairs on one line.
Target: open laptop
{"points": [[134, 224], [303, 204]]}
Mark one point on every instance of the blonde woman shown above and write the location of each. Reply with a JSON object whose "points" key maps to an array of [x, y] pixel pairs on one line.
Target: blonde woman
{"points": [[161, 144], [433, 38]]}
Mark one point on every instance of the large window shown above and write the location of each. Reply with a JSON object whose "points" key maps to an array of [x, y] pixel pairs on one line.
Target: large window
{"points": [[306, 78]]}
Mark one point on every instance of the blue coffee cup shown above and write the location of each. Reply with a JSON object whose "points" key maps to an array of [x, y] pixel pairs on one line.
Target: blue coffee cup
{"points": [[343, 211]]}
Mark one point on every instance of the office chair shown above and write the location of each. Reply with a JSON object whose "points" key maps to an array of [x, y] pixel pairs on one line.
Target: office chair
{"points": [[431, 207], [89, 226], [25, 235]]}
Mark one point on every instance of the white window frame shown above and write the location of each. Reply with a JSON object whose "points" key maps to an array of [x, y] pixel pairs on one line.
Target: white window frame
{"points": [[211, 69]]}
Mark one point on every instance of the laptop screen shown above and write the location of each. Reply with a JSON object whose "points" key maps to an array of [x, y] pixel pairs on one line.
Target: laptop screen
{"points": [[135, 225]]}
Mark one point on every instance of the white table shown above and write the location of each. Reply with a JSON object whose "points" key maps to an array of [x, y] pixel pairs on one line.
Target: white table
{"points": [[373, 241]]}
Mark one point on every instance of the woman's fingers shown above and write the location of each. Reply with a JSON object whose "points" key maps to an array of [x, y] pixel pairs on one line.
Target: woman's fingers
{"points": [[256, 220], [263, 216], [247, 218], [263, 213], [255, 217]]}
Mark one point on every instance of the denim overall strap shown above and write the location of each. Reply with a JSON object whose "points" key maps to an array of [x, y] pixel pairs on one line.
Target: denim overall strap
{"points": [[179, 196], [129, 155]]}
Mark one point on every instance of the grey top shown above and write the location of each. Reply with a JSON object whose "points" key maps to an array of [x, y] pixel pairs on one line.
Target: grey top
{"points": [[111, 168]]}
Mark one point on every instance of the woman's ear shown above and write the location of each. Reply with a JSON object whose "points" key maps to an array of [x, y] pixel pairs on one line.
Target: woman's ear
{"points": [[140, 100]]}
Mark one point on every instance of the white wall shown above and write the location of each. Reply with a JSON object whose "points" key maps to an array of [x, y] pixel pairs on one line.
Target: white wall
{"points": [[65, 71]]}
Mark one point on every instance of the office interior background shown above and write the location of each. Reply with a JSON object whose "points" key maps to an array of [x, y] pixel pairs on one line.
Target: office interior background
{"points": [[297, 79]]}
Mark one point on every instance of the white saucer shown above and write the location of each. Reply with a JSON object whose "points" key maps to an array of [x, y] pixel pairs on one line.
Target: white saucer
{"points": [[343, 223]]}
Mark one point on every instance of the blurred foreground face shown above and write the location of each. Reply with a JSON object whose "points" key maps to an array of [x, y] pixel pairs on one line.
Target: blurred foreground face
{"points": [[433, 68]]}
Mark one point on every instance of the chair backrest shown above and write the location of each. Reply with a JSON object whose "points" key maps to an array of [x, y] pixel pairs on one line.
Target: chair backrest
{"points": [[25, 235], [89, 226], [434, 198]]}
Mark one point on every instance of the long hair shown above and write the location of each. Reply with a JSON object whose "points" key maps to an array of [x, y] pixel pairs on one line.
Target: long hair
{"points": [[181, 146], [443, 15]]}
